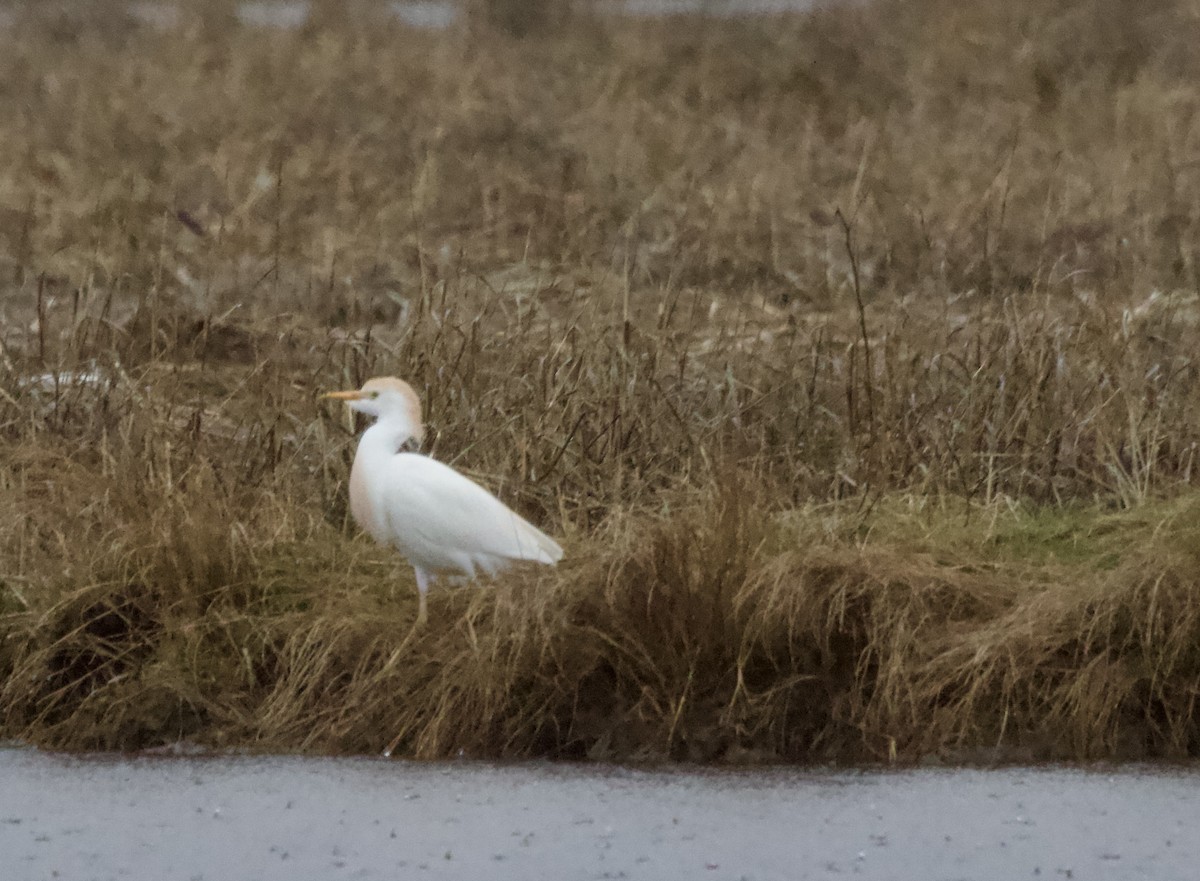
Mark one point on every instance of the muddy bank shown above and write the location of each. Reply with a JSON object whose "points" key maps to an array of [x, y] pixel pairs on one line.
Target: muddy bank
{"points": [[286, 818]]}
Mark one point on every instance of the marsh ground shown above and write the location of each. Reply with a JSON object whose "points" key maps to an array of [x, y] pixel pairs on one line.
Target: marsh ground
{"points": [[852, 355]]}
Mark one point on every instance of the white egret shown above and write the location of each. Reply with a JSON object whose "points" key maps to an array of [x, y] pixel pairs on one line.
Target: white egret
{"points": [[440, 520]]}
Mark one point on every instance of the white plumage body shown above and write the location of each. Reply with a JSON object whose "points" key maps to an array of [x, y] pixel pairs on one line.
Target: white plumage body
{"points": [[439, 519]]}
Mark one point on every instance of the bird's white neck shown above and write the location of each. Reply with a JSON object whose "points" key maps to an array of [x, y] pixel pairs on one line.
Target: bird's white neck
{"points": [[386, 436], [376, 447]]}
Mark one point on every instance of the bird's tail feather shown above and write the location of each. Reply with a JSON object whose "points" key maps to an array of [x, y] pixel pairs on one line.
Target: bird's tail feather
{"points": [[545, 549]]}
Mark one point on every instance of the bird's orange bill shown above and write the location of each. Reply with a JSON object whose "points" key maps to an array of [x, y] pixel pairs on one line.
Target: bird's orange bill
{"points": [[343, 396]]}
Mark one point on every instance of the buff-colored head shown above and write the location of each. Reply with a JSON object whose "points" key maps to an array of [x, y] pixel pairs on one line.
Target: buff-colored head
{"points": [[386, 397]]}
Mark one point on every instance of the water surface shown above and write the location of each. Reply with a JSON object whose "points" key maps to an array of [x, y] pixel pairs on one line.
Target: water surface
{"points": [[224, 819]]}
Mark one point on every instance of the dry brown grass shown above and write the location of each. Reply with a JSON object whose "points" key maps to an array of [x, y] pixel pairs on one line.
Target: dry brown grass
{"points": [[852, 355]]}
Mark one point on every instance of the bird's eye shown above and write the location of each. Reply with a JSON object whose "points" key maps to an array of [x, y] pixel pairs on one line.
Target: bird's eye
{"points": [[374, 395]]}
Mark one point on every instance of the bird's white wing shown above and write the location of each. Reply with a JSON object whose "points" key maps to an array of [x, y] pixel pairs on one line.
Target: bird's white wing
{"points": [[428, 502]]}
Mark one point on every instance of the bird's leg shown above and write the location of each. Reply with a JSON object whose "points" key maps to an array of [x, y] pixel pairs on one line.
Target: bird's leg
{"points": [[423, 580]]}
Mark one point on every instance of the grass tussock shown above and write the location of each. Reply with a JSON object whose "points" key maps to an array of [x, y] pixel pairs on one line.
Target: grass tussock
{"points": [[710, 630], [851, 354]]}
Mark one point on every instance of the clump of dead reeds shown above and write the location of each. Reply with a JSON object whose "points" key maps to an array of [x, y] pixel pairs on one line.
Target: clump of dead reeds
{"points": [[711, 629], [854, 363]]}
